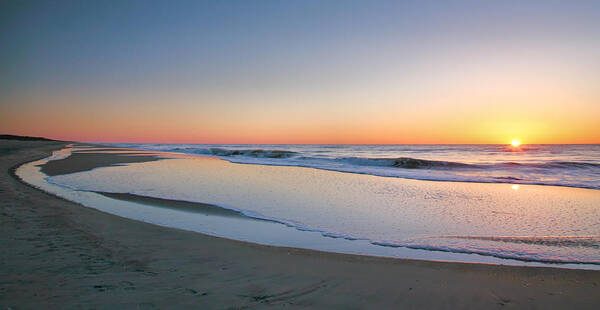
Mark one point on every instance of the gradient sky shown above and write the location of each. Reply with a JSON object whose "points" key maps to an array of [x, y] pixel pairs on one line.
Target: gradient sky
{"points": [[301, 71]]}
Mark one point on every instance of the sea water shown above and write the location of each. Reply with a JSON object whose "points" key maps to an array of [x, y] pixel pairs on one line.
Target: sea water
{"points": [[370, 214], [546, 164]]}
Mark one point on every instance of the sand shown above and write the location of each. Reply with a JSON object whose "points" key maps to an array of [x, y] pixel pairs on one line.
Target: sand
{"points": [[58, 254], [195, 207], [82, 161]]}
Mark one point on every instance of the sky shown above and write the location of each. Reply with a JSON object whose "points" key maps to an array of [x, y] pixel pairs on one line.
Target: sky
{"points": [[363, 72]]}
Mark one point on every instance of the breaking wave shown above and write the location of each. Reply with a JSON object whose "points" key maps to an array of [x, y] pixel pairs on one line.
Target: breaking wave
{"points": [[257, 153], [404, 162]]}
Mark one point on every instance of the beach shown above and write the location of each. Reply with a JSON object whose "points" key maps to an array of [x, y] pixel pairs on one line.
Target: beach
{"points": [[58, 254]]}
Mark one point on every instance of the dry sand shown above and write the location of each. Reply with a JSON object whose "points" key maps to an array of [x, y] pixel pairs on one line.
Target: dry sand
{"points": [[58, 254]]}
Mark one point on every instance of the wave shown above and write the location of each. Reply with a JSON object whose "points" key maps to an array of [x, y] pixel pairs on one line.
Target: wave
{"points": [[395, 162], [512, 149], [561, 241], [519, 255], [404, 162], [554, 164], [256, 153], [399, 162], [416, 163], [545, 249]]}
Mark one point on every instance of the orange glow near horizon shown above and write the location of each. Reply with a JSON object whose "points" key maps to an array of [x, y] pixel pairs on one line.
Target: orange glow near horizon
{"points": [[306, 124], [189, 123], [255, 132]]}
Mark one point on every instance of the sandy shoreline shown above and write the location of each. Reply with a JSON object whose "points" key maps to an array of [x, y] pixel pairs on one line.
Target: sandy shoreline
{"points": [[61, 255], [81, 161]]}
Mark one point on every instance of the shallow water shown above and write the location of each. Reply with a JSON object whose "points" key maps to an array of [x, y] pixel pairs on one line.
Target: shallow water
{"points": [[522, 222], [562, 164]]}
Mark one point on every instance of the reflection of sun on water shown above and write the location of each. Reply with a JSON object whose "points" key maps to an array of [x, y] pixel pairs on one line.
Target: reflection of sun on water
{"points": [[515, 186], [515, 143]]}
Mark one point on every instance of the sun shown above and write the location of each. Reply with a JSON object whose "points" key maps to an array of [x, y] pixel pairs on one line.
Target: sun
{"points": [[515, 142]]}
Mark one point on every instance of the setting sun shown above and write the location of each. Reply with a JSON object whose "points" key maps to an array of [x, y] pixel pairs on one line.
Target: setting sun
{"points": [[515, 142]]}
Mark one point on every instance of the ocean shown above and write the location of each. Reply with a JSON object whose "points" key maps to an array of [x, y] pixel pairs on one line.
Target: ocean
{"points": [[528, 205], [543, 164]]}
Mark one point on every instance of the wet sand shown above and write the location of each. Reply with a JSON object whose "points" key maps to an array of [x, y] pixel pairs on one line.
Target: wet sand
{"points": [[84, 161], [58, 254], [187, 206]]}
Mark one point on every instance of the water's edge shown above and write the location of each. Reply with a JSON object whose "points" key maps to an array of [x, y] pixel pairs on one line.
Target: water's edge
{"points": [[503, 165], [31, 174]]}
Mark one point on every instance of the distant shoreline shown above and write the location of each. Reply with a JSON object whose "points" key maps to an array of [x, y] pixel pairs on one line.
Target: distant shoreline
{"points": [[24, 138]]}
